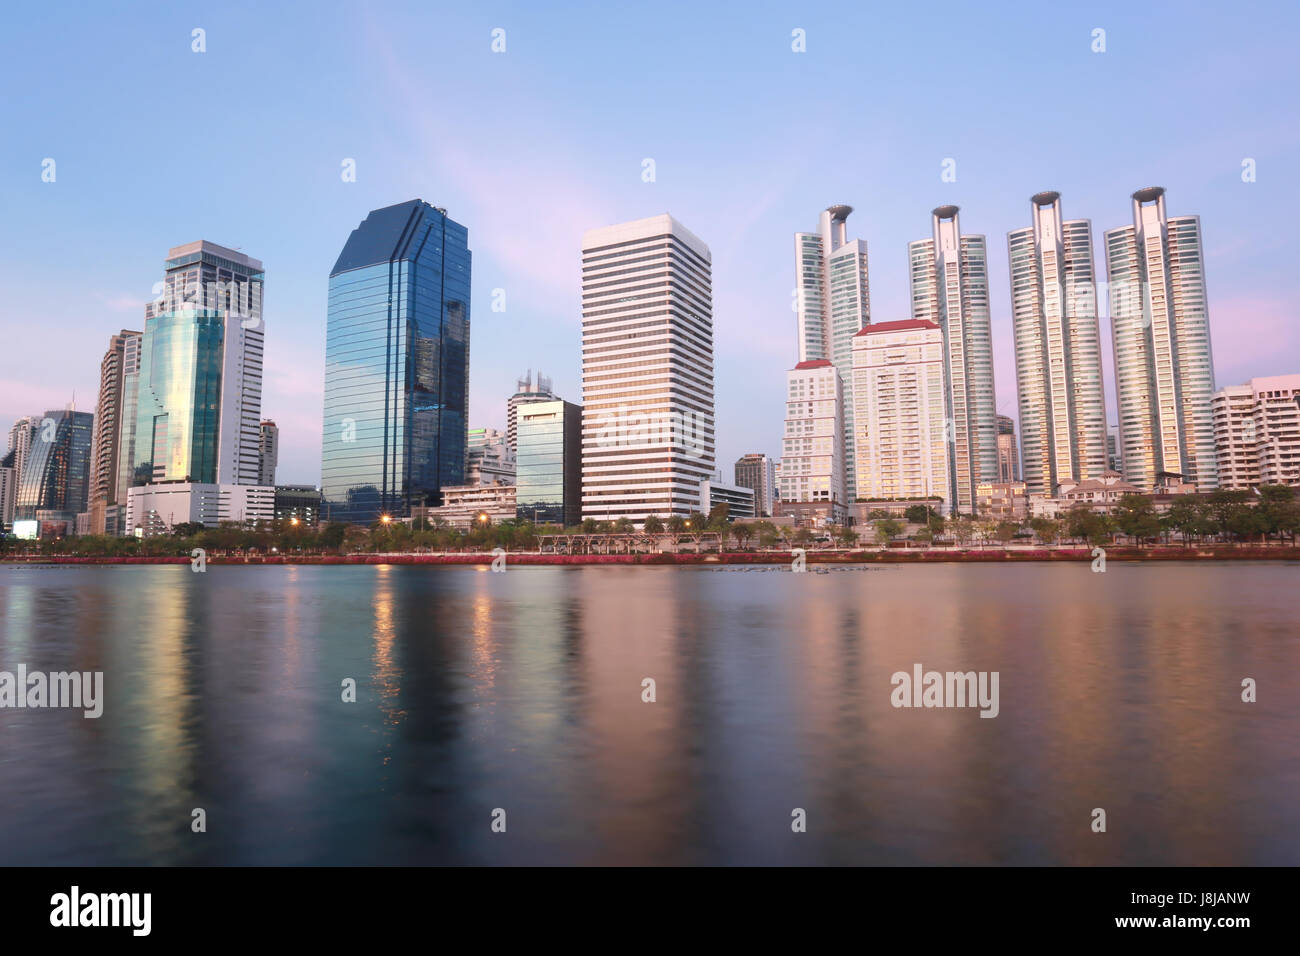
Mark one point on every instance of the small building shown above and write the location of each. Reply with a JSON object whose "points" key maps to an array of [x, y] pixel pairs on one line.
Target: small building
{"points": [[464, 506], [739, 500], [157, 508], [298, 501], [1003, 500]]}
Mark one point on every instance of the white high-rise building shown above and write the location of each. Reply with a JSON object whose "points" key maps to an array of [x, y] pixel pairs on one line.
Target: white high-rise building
{"points": [[1058, 348], [1257, 432], [812, 450], [950, 287], [647, 370], [1160, 323], [833, 303], [901, 399]]}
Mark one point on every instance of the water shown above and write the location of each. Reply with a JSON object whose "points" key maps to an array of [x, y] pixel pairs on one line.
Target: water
{"points": [[522, 691]]}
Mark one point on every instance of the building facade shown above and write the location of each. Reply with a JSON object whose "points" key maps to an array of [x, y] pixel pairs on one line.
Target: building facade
{"points": [[758, 473], [297, 501], [1058, 347], [1257, 432], [268, 452], [812, 448], [548, 466], [491, 460], [950, 287], [396, 364], [526, 391], [55, 480], [158, 508], [647, 370], [1160, 323], [105, 442], [1008, 450], [469, 506], [833, 303], [901, 397], [739, 499]]}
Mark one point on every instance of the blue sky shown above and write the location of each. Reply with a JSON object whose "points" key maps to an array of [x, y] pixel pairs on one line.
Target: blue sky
{"points": [[156, 145]]}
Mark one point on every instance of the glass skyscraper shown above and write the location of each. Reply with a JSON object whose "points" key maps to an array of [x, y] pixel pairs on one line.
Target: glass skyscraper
{"points": [[548, 464], [56, 471], [396, 364]]}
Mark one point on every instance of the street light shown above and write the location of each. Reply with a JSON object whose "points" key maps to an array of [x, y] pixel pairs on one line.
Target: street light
{"points": [[386, 518]]}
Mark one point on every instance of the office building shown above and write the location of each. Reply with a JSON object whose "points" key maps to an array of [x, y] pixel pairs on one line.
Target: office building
{"points": [[55, 480], [1257, 433], [812, 448], [1008, 452], [647, 370], [1160, 323], [548, 466], [950, 287], [199, 380], [901, 398], [758, 473], [833, 303], [396, 364], [714, 493], [1058, 348], [268, 452], [297, 501], [158, 508], [527, 391]]}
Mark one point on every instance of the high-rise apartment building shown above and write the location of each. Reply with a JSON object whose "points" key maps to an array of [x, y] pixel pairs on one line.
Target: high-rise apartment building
{"points": [[812, 449], [526, 392], [268, 452], [758, 472], [1008, 452], [950, 287], [1160, 323], [19, 443], [1058, 348], [1257, 432], [106, 439], [549, 463], [901, 398], [396, 364], [199, 382], [833, 303], [647, 370]]}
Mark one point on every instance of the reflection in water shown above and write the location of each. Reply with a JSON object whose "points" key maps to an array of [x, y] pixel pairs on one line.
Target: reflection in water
{"points": [[523, 691]]}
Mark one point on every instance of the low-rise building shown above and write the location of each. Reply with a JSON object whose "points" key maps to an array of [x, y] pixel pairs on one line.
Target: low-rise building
{"points": [[464, 506], [739, 500], [1003, 500], [157, 508]]}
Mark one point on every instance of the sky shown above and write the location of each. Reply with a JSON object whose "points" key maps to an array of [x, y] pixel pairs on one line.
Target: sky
{"points": [[244, 144]]}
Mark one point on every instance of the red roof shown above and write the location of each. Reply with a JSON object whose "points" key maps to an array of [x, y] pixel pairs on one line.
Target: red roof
{"points": [[815, 363], [900, 326]]}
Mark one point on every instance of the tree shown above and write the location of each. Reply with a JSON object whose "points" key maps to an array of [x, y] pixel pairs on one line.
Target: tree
{"points": [[654, 525], [1046, 529], [1085, 524], [743, 533], [719, 517], [803, 537], [962, 529], [1006, 530], [676, 524], [921, 514], [1135, 516], [887, 530]]}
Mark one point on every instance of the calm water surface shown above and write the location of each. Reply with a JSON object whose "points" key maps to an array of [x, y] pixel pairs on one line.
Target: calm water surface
{"points": [[522, 691]]}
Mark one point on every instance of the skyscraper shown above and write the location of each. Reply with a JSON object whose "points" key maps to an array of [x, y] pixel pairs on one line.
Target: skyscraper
{"points": [[647, 369], [526, 391], [833, 303], [1058, 348], [950, 287], [899, 389], [19, 443], [758, 472], [548, 487], [199, 385], [1008, 454], [396, 364], [55, 481], [1160, 322], [106, 440], [812, 449], [268, 452]]}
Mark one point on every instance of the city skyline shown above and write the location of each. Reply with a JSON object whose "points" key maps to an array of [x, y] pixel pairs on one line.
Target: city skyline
{"points": [[744, 189]]}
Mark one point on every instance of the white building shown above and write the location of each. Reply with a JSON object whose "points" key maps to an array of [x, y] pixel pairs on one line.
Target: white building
{"points": [[738, 499], [527, 392], [647, 370], [833, 302], [1257, 432], [1058, 348], [465, 506], [901, 397], [491, 458], [1160, 323], [156, 509], [812, 449], [950, 287]]}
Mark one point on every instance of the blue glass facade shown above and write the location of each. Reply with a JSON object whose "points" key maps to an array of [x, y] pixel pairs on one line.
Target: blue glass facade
{"points": [[56, 473], [178, 402], [548, 463], [396, 365]]}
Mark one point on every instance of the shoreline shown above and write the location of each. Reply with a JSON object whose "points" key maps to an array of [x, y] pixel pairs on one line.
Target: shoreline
{"points": [[893, 556]]}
